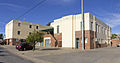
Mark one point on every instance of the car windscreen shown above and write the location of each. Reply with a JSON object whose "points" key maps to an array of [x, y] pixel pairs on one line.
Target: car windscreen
{"points": [[21, 44]]}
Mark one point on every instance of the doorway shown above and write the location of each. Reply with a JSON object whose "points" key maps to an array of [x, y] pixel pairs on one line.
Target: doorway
{"points": [[77, 43], [47, 43]]}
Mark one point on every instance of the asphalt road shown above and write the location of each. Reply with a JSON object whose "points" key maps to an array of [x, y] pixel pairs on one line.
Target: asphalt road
{"points": [[7, 57], [104, 55]]}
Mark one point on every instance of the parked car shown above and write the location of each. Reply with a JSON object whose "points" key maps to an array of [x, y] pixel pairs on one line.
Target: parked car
{"points": [[24, 46], [118, 45], [2, 42]]}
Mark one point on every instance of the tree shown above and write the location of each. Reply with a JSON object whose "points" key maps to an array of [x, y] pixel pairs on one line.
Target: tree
{"points": [[48, 24], [1, 36], [114, 36], [35, 36]]}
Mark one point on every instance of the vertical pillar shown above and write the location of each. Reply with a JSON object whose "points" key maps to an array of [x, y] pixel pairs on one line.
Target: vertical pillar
{"points": [[44, 42], [39, 43]]}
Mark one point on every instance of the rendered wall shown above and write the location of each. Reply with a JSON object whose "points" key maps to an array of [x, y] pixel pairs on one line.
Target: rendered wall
{"points": [[9, 30]]}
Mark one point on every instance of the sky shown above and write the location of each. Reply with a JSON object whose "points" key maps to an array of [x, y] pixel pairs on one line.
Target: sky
{"points": [[107, 11]]}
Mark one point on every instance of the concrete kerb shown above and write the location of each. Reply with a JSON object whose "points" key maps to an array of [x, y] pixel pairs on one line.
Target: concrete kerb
{"points": [[35, 60]]}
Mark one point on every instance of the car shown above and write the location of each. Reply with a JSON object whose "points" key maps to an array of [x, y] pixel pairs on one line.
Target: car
{"points": [[2, 42], [24, 46], [118, 45]]}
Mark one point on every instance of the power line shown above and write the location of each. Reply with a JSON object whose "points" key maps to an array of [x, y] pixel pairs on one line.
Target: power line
{"points": [[32, 8]]}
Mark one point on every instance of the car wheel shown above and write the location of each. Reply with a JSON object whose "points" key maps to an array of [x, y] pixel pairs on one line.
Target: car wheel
{"points": [[19, 49], [24, 49]]}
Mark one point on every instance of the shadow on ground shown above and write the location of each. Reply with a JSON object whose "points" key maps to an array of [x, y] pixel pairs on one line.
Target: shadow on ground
{"points": [[50, 49], [1, 51], [3, 55], [1, 62]]}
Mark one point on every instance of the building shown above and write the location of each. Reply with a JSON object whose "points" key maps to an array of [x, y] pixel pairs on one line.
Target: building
{"points": [[67, 32], [16, 31], [115, 40]]}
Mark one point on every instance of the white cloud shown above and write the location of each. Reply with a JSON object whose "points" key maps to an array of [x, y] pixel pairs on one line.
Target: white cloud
{"points": [[11, 5], [113, 20]]}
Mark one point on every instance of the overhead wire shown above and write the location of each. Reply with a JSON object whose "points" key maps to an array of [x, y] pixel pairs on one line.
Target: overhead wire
{"points": [[41, 2]]}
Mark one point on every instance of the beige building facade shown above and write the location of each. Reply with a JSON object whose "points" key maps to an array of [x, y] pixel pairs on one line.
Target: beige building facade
{"points": [[67, 31], [19, 30]]}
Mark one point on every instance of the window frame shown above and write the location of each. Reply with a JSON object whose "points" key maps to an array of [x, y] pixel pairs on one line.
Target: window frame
{"points": [[91, 26]]}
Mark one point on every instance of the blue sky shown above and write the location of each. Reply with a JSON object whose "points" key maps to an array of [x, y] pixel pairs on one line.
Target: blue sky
{"points": [[106, 10]]}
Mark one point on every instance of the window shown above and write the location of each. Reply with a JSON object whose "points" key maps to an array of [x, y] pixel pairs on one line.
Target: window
{"points": [[16, 40], [36, 27], [102, 30], [81, 25], [96, 27], [99, 29], [92, 26], [29, 33], [106, 31], [18, 32], [30, 26], [85, 40], [19, 24], [77, 42], [58, 29]]}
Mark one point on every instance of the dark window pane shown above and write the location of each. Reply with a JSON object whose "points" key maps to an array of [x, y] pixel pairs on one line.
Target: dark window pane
{"points": [[36, 27], [19, 24], [18, 32], [58, 29], [30, 26], [29, 33]]}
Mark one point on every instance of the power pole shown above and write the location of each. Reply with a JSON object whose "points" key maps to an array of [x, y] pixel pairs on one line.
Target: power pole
{"points": [[82, 10]]}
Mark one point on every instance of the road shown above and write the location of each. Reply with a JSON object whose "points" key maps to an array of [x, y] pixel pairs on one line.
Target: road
{"points": [[103, 55], [7, 57]]}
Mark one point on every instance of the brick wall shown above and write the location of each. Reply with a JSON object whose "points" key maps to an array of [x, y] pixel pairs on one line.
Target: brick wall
{"points": [[12, 41], [115, 42], [90, 35], [52, 40], [57, 37]]}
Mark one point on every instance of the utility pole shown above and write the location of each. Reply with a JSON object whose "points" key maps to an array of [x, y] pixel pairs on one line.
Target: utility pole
{"points": [[82, 10]]}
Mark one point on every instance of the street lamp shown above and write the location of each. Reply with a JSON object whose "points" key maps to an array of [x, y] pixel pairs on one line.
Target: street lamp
{"points": [[82, 13]]}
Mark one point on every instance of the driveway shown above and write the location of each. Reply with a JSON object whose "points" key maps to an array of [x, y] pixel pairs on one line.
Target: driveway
{"points": [[32, 55], [7, 57]]}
